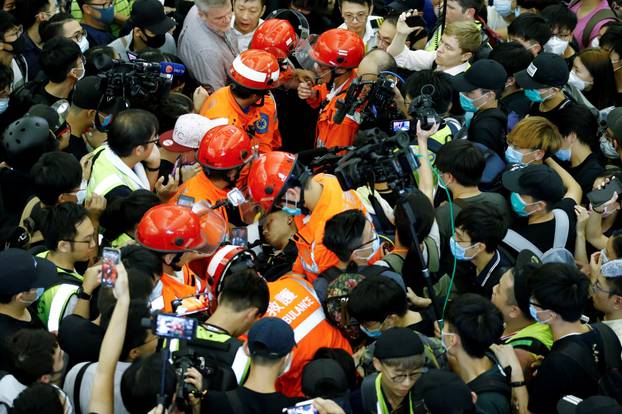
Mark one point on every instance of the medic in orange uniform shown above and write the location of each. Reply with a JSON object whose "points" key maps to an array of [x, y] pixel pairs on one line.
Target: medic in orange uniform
{"points": [[181, 234], [277, 180], [277, 37], [337, 52], [247, 102], [293, 299], [223, 153]]}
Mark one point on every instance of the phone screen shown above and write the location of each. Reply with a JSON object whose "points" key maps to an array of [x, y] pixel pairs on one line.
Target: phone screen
{"points": [[402, 125], [173, 326], [304, 407], [110, 259]]}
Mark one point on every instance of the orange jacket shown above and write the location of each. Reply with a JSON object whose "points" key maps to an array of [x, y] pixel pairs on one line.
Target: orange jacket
{"points": [[313, 256], [293, 299], [261, 123], [327, 132], [200, 187]]}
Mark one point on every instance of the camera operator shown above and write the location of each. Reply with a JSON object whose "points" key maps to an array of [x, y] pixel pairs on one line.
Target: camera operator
{"points": [[336, 53], [247, 101], [278, 181], [485, 122]]}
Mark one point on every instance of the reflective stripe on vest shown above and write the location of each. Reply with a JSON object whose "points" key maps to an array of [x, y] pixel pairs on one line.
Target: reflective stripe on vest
{"points": [[241, 364], [297, 304], [59, 304], [105, 176]]}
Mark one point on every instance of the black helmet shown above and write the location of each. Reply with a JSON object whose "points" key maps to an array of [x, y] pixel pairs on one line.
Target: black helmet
{"points": [[25, 140]]}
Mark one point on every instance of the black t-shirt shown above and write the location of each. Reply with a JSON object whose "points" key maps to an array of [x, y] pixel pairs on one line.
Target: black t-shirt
{"points": [[80, 339], [76, 147], [586, 172], [542, 235], [491, 402], [488, 127], [516, 105], [467, 281], [253, 402], [560, 375], [8, 327], [535, 109]]}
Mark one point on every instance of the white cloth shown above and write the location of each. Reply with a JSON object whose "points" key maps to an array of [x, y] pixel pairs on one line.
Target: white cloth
{"points": [[19, 78], [244, 40], [495, 20], [87, 385], [122, 45], [136, 174], [416, 60], [10, 388]]}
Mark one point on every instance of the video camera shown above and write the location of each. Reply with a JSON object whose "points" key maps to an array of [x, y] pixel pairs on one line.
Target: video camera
{"points": [[421, 109], [121, 82]]}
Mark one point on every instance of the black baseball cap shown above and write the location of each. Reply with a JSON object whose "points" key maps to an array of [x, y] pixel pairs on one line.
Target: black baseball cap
{"points": [[597, 404], [324, 378], [485, 73], [536, 180], [20, 271], [443, 392], [545, 71], [271, 337], [149, 14], [398, 343], [87, 93]]}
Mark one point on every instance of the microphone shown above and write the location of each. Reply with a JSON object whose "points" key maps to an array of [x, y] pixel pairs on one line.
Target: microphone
{"points": [[171, 68]]}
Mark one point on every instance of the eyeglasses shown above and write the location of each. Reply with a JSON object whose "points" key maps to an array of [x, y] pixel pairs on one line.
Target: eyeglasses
{"points": [[366, 243], [78, 36], [101, 5], [398, 379], [90, 241], [360, 17], [153, 141], [596, 286]]}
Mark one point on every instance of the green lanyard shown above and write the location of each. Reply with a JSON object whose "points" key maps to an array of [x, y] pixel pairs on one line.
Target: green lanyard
{"points": [[383, 404]]}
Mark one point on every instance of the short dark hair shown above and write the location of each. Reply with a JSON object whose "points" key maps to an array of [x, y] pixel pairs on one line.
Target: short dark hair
{"points": [[375, 298], [512, 56], [26, 11], [32, 354], [6, 76], [135, 333], [576, 118], [559, 16], [123, 214], [343, 358], [7, 22], [529, 26], [561, 288], [55, 173], [168, 111], [484, 223], [612, 39], [131, 128], [58, 57], [94, 53], [477, 5], [343, 233], [477, 321], [38, 398], [463, 160], [367, 3], [54, 27], [441, 84], [140, 384], [61, 222], [424, 215], [245, 289], [140, 258]]}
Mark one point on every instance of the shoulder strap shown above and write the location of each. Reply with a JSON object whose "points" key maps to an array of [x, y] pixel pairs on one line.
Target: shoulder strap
{"points": [[433, 257], [562, 226], [582, 356], [331, 274], [368, 393], [372, 270], [77, 385], [235, 402], [611, 345], [395, 262], [594, 20], [519, 243]]}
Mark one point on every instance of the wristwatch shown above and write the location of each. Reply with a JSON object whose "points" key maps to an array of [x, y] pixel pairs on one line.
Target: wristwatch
{"points": [[82, 294]]}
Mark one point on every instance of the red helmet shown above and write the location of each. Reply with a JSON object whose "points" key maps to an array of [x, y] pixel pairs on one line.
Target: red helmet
{"points": [[268, 175], [255, 69], [276, 36], [227, 258], [339, 48], [225, 147], [171, 228]]}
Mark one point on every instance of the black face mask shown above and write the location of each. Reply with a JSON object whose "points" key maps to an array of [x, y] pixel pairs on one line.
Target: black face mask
{"points": [[18, 45], [156, 41]]}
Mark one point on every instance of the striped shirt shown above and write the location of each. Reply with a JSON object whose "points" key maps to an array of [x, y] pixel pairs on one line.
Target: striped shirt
{"points": [[206, 53]]}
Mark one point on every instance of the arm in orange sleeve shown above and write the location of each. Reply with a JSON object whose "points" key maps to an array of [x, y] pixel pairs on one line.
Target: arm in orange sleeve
{"points": [[320, 93], [341, 135]]}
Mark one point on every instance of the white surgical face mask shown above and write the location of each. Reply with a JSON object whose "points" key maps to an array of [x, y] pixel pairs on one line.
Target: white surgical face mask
{"points": [[4, 104], [595, 42], [576, 81], [556, 45], [503, 7], [84, 44]]}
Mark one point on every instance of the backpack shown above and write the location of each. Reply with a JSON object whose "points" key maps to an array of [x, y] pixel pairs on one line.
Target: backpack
{"points": [[599, 16], [497, 384], [562, 227], [396, 262], [609, 380]]}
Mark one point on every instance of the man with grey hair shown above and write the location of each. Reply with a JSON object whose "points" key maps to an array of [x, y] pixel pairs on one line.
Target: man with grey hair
{"points": [[206, 44]]}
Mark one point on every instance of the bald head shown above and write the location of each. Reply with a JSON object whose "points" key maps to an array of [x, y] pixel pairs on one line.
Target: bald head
{"points": [[374, 62]]}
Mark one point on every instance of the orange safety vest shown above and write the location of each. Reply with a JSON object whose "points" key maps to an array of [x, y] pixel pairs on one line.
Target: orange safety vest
{"points": [[327, 132], [200, 187], [313, 256], [293, 299], [261, 123]]}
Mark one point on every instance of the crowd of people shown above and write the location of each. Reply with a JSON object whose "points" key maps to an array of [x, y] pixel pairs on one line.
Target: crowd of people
{"points": [[308, 206]]}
